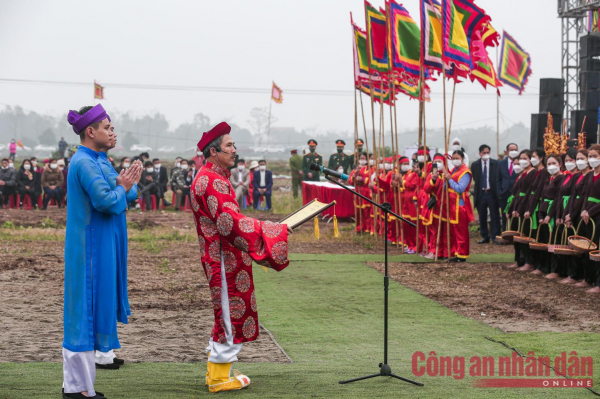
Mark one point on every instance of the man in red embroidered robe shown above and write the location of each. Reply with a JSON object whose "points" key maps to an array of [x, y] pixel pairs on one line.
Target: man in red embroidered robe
{"points": [[229, 242]]}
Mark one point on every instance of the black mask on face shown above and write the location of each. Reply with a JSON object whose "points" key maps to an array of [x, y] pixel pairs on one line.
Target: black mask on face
{"points": [[339, 150], [312, 149], [360, 149]]}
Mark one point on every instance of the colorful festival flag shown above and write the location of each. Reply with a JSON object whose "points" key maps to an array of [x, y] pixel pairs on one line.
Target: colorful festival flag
{"points": [[98, 91], [386, 97], [361, 62], [431, 38], [455, 45], [485, 74], [515, 64], [473, 21], [404, 40], [376, 40], [20, 143], [490, 37], [593, 21], [411, 88], [276, 94]]}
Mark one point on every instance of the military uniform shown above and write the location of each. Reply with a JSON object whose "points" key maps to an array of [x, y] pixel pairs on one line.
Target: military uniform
{"points": [[339, 158], [296, 167], [308, 159]]}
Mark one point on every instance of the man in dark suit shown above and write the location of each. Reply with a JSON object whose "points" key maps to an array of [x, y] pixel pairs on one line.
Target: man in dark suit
{"points": [[484, 172], [263, 183], [161, 176], [506, 178]]}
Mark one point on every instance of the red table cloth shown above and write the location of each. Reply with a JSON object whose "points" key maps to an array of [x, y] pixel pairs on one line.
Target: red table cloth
{"points": [[327, 192]]}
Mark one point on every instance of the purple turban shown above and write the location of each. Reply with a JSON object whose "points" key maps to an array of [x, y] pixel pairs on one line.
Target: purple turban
{"points": [[80, 122]]}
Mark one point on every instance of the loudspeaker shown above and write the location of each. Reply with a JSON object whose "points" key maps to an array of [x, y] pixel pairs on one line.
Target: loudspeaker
{"points": [[552, 96], [590, 100], [539, 122], [589, 64], [589, 81], [590, 127], [589, 45]]}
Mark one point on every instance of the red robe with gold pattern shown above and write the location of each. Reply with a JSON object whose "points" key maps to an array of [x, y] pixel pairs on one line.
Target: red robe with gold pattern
{"points": [[224, 232]]}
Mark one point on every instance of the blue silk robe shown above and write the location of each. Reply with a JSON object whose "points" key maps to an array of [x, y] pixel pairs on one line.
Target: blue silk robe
{"points": [[120, 227], [90, 312]]}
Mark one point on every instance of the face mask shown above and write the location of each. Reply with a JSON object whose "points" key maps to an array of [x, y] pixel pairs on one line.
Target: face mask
{"points": [[157, 165], [380, 166], [581, 164], [513, 154], [553, 169], [34, 163], [312, 149], [440, 165], [456, 147], [387, 166], [421, 158], [184, 167], [11, 165], [362, 162], [53, 166], [241, 168], [405, 168], [199, 153], [340, 170], [485, 157], [535, 161], [456, 162], [594, 162], [524, 163], [26, 167], [517, 168], [126, 165], [570, 165], [262, 167], [5, 167], [339, 150], [371, 162], [61, 167], [150, 170], [360, 149], [178, 164]]}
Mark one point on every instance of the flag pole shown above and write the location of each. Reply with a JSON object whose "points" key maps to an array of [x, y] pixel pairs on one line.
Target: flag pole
{"points": [[372, 103], [269, 122], [497, 112], [355, 198], [399, 225]]}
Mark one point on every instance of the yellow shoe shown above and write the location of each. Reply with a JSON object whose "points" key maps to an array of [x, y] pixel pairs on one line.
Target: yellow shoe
{"points": [[220, 379]]}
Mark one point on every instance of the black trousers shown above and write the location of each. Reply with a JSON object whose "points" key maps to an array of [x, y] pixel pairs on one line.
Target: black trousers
{"points": [[32, 195], [149, 190], [590, 268], [487, 201], [542, 259], [523, 253]]}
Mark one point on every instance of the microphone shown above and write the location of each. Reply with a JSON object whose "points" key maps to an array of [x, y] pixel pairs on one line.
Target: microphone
{"points": [[328, 172]]}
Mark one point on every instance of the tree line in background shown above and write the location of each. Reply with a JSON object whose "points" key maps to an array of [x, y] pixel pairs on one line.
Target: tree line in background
{"points": [[154, 131]]}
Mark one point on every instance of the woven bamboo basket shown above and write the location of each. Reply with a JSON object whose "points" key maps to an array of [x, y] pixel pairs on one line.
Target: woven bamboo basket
{"points": [[540, 246], [595, 256], [521, 239], [509, 234], [554, 242], [583, 244], [563, 248]]}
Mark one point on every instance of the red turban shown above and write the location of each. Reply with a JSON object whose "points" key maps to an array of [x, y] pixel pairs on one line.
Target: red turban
{"points": [[220, 130]]}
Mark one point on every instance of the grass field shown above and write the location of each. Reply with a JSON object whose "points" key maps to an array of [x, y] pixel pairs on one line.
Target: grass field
{"points": [[326, 311]]}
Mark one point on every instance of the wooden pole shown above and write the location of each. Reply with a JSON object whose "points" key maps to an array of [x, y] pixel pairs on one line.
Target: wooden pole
{"points": [[355, 198], [268, 127], [426, 152], [497, 114], [446, 143]]}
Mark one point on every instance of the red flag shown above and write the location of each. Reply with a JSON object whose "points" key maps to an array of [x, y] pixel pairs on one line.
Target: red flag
{"points": [[276, 94], [98, 91]]}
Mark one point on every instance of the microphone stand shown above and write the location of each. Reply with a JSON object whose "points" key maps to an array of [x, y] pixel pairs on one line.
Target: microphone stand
{"points": [[384, 369]]}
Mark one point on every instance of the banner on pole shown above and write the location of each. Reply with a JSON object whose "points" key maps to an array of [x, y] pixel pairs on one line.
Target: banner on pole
{"points": [[276, 94], [98, 91]]}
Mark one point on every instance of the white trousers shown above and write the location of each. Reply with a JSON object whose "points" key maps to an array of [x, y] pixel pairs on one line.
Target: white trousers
{"points": [[227, 352], [79, 372], [105, 357]]}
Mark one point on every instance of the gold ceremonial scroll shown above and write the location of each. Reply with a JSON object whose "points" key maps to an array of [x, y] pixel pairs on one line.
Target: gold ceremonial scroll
{"points": [[307, 212]]}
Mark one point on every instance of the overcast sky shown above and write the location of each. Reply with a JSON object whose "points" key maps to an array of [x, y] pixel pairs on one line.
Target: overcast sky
{"points": [[300, 44]]}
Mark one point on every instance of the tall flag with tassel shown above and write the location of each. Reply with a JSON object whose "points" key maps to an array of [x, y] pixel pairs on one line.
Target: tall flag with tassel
{"points": [[455, 44], [405, 41], [98, 91], [431, 35], [515, 64], [483, 70], [377, 49]]}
